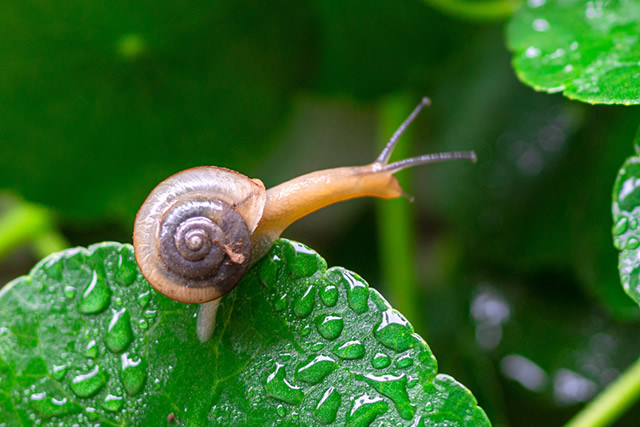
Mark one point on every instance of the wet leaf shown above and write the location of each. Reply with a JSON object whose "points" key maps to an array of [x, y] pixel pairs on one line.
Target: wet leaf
{"points": [[588, 50], [626, 217], [85, 339]]}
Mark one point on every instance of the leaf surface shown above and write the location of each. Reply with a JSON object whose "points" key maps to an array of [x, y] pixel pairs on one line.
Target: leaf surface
{"points": [[84, 339], [626, 218], [588, 50]]}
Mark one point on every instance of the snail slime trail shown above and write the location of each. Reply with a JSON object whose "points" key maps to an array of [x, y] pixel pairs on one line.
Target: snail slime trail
{"points": [[199, 230]]}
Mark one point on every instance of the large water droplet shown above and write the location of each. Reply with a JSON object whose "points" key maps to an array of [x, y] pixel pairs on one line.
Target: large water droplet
{"points": [[329, 295], [315, 369], [88, 384], [59, 371], [279, 388], [357, 292], [404, 361], [350, 350], [365, 409], [113, 403], [127, 270], [144, 298], [133, 374], [303, 261], [92, 350], [281, 303], [49, 407], [327, 408], [632, 243], [395, 388], [329, 326], [304, 305], [621, 226], [380, 361], [69, 292], [394, 332], [119, 334], [96, 296]]}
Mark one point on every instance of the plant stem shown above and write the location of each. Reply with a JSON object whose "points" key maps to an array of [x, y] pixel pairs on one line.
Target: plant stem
{"points": [[395, 217], [612, 402], [25, 222], [474, 9]]}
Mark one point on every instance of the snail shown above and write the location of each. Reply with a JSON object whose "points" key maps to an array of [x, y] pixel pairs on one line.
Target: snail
{"points": [[198, 231]]}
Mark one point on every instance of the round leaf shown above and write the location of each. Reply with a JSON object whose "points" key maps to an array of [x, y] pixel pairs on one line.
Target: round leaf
{"points": [[85, 339], [588, 50]]}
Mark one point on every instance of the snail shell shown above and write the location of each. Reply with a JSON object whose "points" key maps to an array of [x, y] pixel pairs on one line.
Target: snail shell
{"points": [[192, 235]]}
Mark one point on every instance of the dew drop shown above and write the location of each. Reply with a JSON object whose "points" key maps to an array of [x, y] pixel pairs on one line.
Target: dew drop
{"points": [[329, 295], [327, 408], [92, 350], [127, 270], [59, 371], [119, 334], [617, 243], [380, 361], [329, 326], [112, 403], [150, 314], [634, 224], [281, 411], [350, 350], [143, 324], [395, 388], [88, 384], [315, 369], [306, 330], [632, 243], [621, 226], [133, 374], [317, 346], [96, 296], [69, 292], [357, 292], [144, 299], [281, 303], [394, 332], [404, 361], [279, 388], [49, 407], [303, 261], [304, 305], [365, 409]]}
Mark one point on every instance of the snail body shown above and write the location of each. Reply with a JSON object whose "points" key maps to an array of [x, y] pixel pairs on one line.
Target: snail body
{"points": [[199, 230]]}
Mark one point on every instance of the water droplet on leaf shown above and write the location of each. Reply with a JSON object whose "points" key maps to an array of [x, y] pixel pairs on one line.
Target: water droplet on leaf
{"points": [[96, 296], [394, 332], [304, 305], [380, 361], [279, 388], [327, 408], [119, 334], [350, 350], [88, 384], [133, 374], [315, 369], [329, 326], [395, 388]]}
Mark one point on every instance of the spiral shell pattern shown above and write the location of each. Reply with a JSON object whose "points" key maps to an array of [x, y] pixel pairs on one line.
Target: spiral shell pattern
{"points": [[192, 236]]}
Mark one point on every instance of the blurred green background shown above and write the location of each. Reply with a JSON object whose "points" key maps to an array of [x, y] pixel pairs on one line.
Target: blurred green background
{"points": [[506, 267]]}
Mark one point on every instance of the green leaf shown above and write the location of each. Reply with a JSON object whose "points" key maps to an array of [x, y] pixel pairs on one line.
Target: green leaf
{"points": [[588, 50], [85, 339], [626, 217]]}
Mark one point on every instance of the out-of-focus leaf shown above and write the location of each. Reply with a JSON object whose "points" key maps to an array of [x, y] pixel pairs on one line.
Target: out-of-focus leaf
{"points": [[626, 217], [101, 101], [588, 50], [85, 339]]}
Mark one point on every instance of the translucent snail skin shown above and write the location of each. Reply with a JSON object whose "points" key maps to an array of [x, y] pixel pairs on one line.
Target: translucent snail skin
{"points": [[199, 230]]}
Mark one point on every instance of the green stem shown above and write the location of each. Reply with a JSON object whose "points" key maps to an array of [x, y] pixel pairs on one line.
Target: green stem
{"points": [[612, 402], [474, 9], [395, 218], [24, 222]]}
